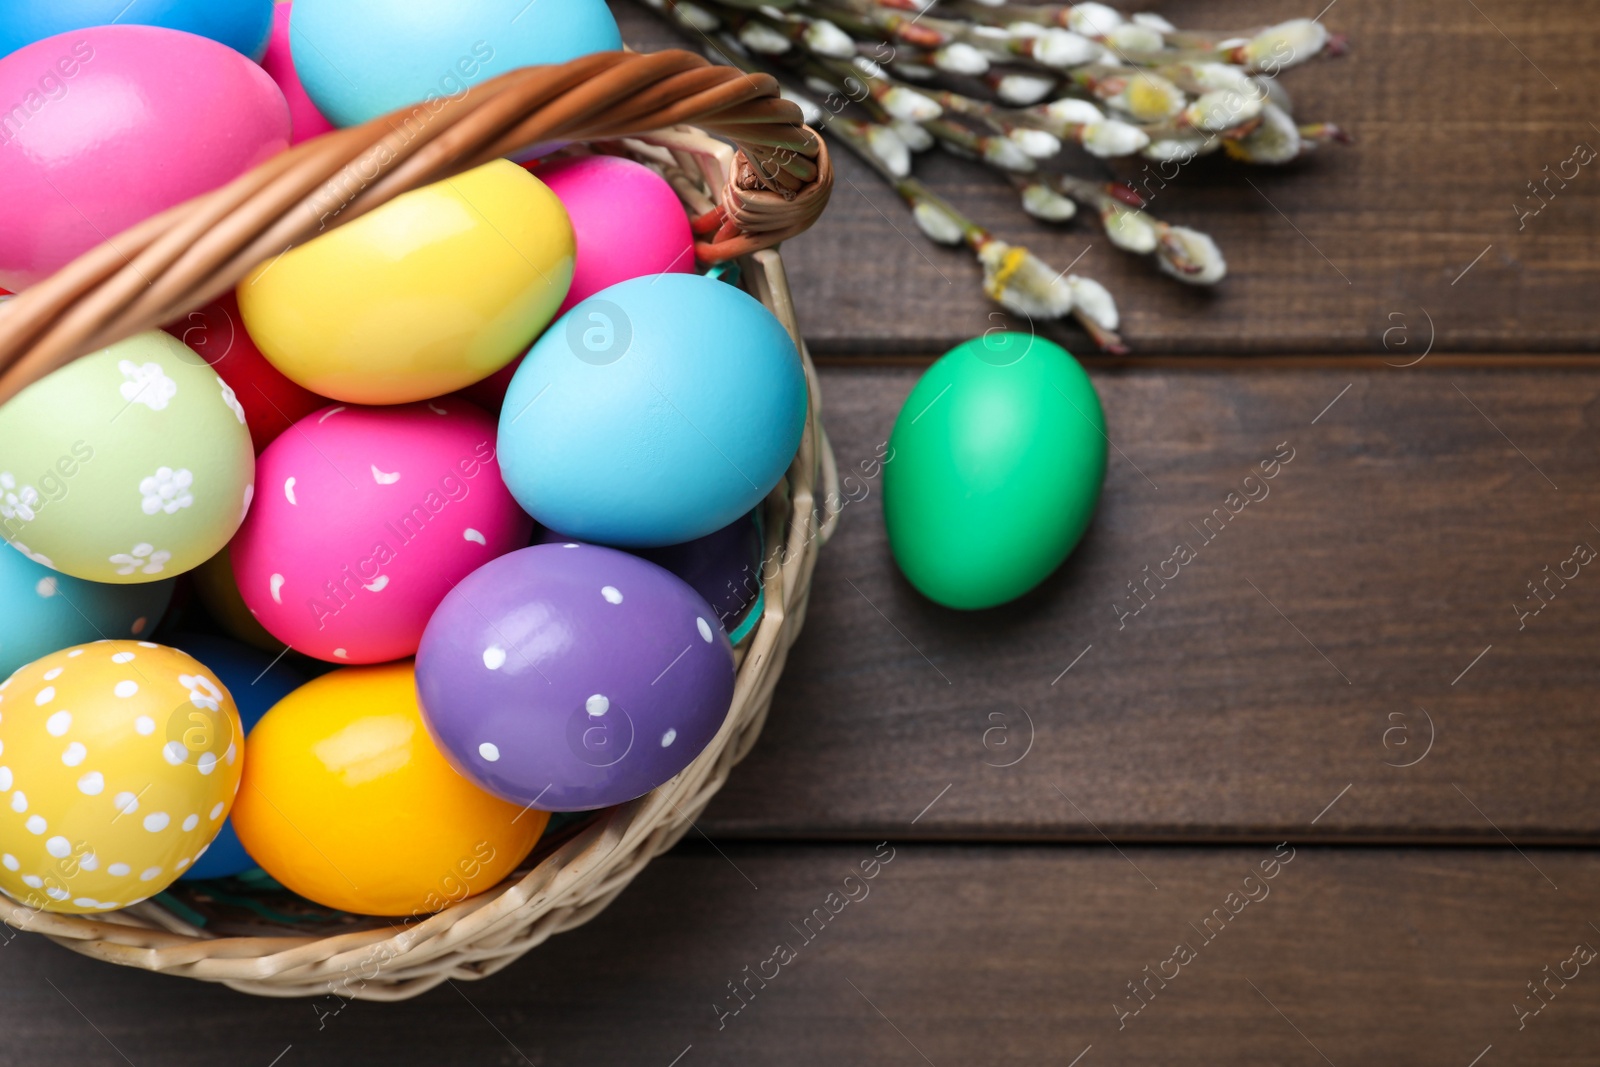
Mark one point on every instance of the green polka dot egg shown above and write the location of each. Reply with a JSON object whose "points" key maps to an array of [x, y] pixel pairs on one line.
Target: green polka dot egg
{"points": [[132, 464], [119, 761]]}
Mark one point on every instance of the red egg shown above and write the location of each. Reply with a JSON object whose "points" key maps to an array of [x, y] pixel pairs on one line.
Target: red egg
{"points": [[272, 403]]}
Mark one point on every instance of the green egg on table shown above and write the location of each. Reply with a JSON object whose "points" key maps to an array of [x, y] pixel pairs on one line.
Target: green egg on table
{"points": [[995, 467], [132, 464]]}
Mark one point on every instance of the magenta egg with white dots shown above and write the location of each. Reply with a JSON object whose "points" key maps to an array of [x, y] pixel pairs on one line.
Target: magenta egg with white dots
{"points": [[568, 677], [364, 518]]}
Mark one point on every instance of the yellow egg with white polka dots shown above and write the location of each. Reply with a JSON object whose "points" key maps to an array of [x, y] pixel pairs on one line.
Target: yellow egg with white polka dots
{"points": [[119, 761]]}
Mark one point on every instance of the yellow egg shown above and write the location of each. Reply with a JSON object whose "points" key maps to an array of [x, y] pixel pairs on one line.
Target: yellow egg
{"points": [[435, 290], [348, 802], [119, 761]]}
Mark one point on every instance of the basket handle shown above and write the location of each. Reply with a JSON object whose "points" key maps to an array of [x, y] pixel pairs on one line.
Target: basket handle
{"points": [[186, 256]]}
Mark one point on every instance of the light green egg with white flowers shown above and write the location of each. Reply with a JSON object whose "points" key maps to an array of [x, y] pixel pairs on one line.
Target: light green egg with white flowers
{"points": [[132, 464]]}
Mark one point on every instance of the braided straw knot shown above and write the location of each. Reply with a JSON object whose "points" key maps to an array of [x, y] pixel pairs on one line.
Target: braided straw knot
{"points": [[756, 213], [174, 262]]}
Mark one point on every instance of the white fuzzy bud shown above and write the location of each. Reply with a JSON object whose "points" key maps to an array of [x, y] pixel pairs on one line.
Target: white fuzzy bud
{"points": [[915, 71], [1179, 149], [820, 86], [1091, 299], [868, 67], [936, 223], [1131, 37], [1222, 109], [826, 39], [1149, 98], [961, 58], [1285, 44], [915, 137], [910, 105], [1024, 29], [1036, 144], [1074, 112], [1155, 22], [1209, 76], [1093, 20], [1190, 256], [1275, 140], [759, 37], [1022, 90], [1129, 230], [1006, 154], [1110, 138], [1021, 282], [1063, 49], [1043, 202], [890, 150], [695, 17]]}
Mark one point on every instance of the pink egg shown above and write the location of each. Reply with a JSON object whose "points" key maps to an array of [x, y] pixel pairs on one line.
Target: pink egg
{"points": [[627, 220], [628, 223], [305, 121], [103, 127], [364, 518]]}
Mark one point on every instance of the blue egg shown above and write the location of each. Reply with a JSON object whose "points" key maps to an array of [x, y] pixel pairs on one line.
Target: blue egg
{"points": [[256, 682], [243, 25], [359, 59], [43, 611], [652, 413]]}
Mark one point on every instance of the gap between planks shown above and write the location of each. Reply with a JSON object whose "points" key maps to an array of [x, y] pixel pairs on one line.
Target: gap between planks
{"points": [[1235, 364]]}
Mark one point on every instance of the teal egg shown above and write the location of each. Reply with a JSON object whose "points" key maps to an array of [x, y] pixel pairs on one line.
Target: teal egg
{"points": [[44, 611], [995, 467], [654, 412], [359, 59]]}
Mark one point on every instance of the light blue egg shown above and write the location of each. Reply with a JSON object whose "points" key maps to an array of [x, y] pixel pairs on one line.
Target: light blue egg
{"points": [[256, 681], [652, 413], [243, 25], [43, 611], [359, 59]]}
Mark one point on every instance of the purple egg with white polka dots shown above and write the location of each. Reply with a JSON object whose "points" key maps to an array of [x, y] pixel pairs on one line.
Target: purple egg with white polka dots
{"points": [[568, 677]]}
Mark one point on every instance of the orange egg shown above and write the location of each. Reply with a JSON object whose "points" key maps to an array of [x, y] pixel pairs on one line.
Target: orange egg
{"points": [[347, 801]]}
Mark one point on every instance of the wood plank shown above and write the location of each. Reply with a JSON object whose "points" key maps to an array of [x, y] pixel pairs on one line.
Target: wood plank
{"points": [[1285, 663], [1451, 124], [993, 955]]}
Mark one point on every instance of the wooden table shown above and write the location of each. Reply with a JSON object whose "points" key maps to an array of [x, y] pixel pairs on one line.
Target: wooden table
{"points": [[1330, 796]]}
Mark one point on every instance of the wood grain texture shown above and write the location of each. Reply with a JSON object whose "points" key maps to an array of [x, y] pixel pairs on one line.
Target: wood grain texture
{"points": [[954, 955], [1455, 108], [1287, 661]]}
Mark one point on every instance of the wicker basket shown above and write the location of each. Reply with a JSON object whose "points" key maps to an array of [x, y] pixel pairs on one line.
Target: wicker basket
{"points": [[740, 202]]}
